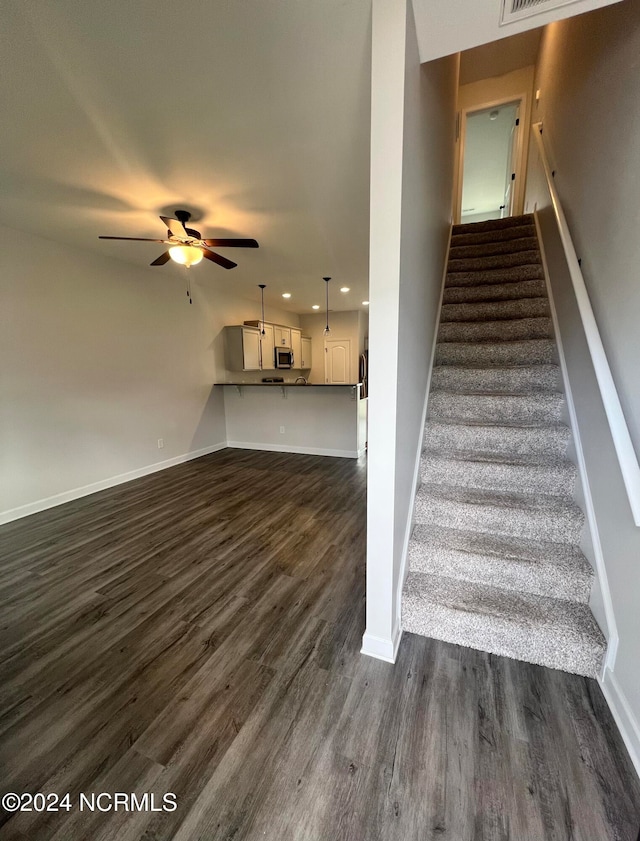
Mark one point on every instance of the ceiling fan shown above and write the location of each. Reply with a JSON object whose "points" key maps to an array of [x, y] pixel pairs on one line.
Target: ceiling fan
{"points": [[187, 245]]}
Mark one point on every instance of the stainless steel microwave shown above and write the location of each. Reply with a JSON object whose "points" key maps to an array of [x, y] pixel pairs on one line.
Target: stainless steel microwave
{"points": [[284, 358]]}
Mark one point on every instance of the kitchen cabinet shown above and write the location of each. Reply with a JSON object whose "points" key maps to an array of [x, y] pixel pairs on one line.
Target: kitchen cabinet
{"points": [[296, 347], [305, 353], [282, 335], [242, 348], [267, 347]]}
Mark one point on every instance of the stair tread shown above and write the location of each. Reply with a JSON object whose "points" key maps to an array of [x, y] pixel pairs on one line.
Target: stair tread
{"points": [[558, 570], [494, 261], [495, 310], [500, 499], [494, 224], [543, 460], [481, 237], [498, 332], [500, 545], [488, 292], [499, 246], [538, 629]]}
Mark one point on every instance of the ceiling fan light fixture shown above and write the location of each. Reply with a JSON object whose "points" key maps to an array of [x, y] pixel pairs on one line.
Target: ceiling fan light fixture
{"points": [[186, 255]]}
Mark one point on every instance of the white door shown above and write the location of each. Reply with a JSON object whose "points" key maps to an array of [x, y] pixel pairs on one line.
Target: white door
{"points": [[337, 361]]}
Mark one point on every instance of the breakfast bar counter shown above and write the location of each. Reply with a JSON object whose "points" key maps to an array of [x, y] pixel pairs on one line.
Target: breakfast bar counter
{"points": [[315, 418]]}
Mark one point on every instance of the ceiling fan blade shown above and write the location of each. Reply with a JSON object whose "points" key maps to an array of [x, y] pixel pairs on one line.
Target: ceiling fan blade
{"points": [[232, 243], [219, 259], [176, 227], [161, 260], [136, 239]]}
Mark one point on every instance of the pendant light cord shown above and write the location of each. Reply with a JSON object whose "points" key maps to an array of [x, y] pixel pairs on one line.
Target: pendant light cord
{"points": [[262, 286]]}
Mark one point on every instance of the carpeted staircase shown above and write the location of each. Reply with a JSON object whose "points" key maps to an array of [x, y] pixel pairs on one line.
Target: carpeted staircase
{"points": [[494, 561]]}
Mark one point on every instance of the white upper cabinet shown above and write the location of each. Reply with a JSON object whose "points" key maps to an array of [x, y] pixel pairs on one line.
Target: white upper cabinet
{"points": [[305, 358], [296, 347], [242, 348], [282, 335], [267, 347]]}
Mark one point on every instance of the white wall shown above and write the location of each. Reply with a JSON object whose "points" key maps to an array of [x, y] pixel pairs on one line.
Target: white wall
{"points": [[343, 325], [589, 78], [413, 118], [449, 26], [319, 420], [98, 361]]}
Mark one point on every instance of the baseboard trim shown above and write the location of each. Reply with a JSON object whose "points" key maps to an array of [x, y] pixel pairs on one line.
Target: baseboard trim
{"points": [[86, 490], [623, 716], [382, 648], [284, 448]]}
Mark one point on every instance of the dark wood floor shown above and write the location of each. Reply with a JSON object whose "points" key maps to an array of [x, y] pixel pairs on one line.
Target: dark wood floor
{"points": [[198, 632]]}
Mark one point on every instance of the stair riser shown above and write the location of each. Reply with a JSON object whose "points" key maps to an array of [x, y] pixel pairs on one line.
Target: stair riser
{"points": [[559, 526], [478, 408], [509, 223], [497, 261], [500, 440], [493, 292], [484, 237], [511, 478], [532, 645], [491, 249], [521, 329], [507, 353], [523, 379], [518, 575], [496, 310], [512, 275]]}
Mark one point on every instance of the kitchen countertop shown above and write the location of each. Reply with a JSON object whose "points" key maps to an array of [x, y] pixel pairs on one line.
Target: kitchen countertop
{"points": [[296, 385]]}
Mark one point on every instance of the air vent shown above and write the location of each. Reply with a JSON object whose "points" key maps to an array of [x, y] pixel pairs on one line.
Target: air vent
{"points": [[513, 10]]}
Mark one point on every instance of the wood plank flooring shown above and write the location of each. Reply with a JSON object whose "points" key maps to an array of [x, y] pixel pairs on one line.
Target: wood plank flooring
{"points": [[198, 631]]}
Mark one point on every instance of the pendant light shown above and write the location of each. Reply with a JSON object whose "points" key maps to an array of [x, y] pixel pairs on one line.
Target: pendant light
{"points": [[326, 329], [262, 286]]}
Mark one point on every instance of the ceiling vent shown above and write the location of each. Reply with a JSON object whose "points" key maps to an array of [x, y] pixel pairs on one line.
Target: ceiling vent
{"points": [[514, 10]]}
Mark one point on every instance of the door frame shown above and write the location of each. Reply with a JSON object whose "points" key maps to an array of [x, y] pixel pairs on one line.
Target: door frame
{"points": [[347, 342], [521, 158]]}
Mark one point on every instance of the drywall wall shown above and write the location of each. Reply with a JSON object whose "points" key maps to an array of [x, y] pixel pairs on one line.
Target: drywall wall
{"points": [[98, 361], [413, 120], [449, 26], [589, 75], [343, 325], [319, 420]]}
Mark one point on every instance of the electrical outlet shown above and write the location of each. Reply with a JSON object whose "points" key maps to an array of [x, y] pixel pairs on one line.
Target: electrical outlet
{"points": [[282, 430], [160, 443]]}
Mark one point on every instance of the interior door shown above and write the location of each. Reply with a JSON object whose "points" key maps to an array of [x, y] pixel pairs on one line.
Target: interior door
{"points": [[337, 361]]}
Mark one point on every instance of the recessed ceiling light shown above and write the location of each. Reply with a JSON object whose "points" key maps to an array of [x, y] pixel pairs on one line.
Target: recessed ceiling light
{"points": [[365, 303], [286, 294], [315, 307], [344, 288]]}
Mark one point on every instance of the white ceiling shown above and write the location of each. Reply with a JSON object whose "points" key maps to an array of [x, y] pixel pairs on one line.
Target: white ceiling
{"points": [[255, 112]]}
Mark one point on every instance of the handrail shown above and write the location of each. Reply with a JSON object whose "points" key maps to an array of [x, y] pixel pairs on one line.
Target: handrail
{"points": [[619, 430]]}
